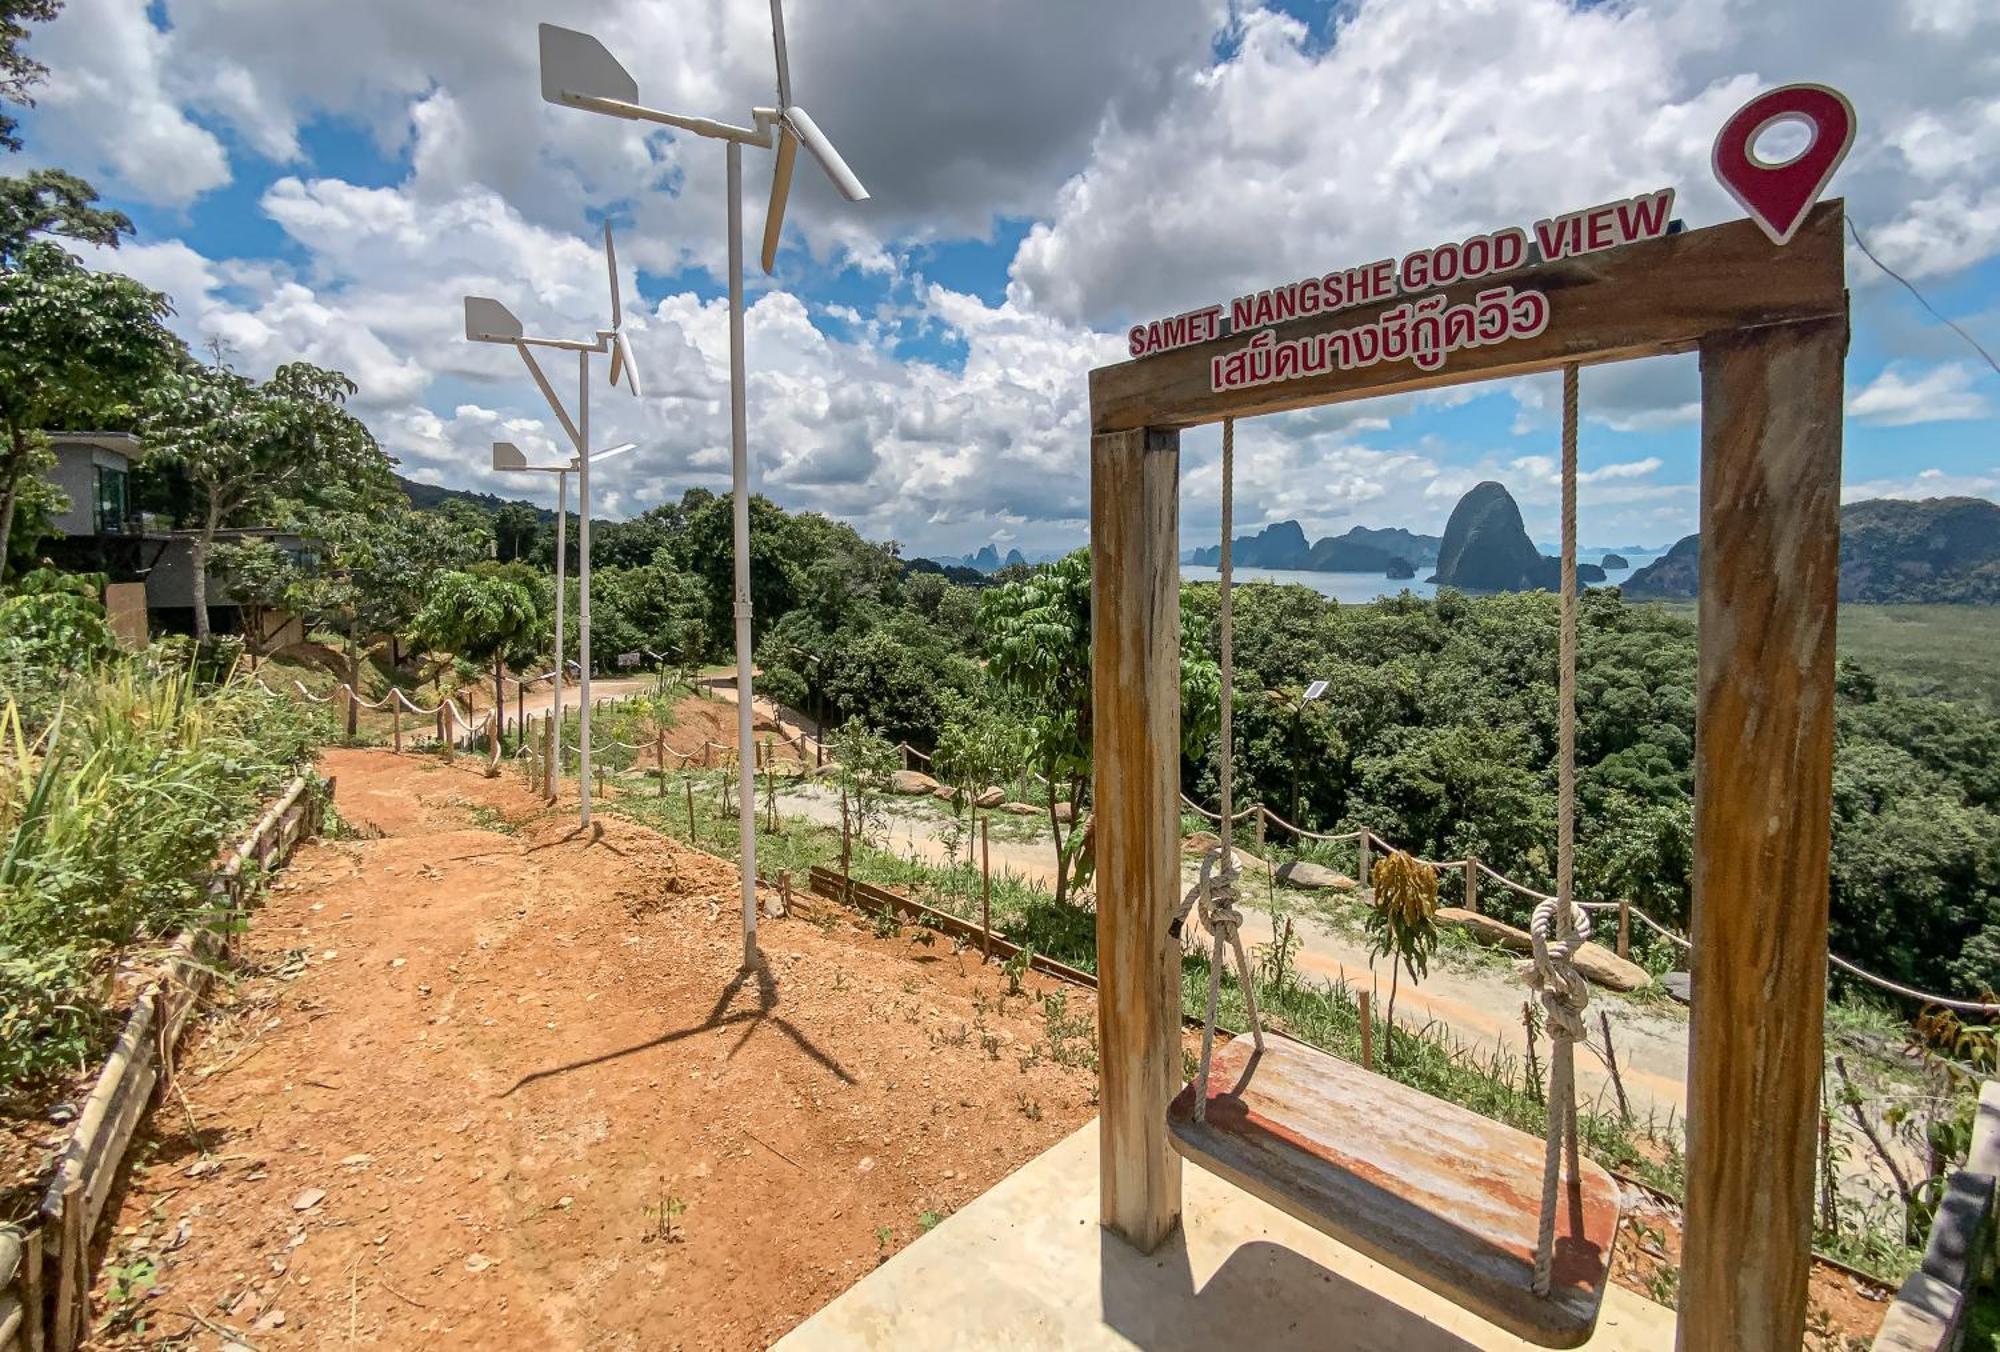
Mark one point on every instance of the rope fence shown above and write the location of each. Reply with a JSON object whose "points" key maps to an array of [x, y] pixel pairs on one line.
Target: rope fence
{"points": [[1537, 897]]}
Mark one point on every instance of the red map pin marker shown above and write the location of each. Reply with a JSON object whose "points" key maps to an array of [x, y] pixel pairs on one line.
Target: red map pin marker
{"points": [[1778, 196]]}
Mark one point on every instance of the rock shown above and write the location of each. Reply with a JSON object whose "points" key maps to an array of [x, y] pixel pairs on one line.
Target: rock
{"points": [[827, 771], [1305, 873], [1607, 969], [1064, 812], [1679, 985], [912, 782], [944, 793], [1198, 843], [1400, 570], [309, 1199], [1615, 561], [1486, 548], [1020, 809], [1599, 965], [990, 798], [1488, 930]]}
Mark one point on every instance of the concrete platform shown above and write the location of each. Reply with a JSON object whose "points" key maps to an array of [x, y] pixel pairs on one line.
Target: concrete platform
{"points": [[1025, 1266]]}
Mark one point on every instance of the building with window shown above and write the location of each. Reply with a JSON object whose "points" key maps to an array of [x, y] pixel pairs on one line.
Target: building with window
{"points": [[101, 532]]}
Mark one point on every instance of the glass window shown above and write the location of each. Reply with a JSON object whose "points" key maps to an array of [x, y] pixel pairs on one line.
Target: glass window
{"points": [[110, 508]]}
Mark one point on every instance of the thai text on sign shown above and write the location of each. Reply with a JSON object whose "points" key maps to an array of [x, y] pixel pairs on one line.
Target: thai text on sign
{"points": [[1424, 332]]}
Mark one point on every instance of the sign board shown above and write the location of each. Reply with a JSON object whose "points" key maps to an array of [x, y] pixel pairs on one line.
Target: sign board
{"points": [[628, 659], [1424, 332]]}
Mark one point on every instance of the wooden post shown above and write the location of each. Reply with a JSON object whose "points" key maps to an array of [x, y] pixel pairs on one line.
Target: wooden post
{"points": [[1361, 1003], [449, 721], [551, 772], [986, 888], [904, 748], [1361, 869], [520, 709], [1472, 886], [1135, 626], [688, 784], [660, 759], [396, 721], [1770, 534], [1624, 929]]}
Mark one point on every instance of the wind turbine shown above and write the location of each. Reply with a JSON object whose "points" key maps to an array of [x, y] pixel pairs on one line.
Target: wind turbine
{"points": [[488, 321], [577, 72]]}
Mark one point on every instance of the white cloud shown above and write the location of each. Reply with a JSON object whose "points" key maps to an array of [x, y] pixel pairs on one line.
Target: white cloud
{"points": [[1897, 398], [1929, 483], [108, 110]]}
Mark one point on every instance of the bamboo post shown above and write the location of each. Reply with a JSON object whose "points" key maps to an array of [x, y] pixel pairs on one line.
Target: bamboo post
{"points": [[986, 888], [1135, 692], [1361, 1004], [1472, 885], [1611, 1064], [1624, 929], [1763, 785]]}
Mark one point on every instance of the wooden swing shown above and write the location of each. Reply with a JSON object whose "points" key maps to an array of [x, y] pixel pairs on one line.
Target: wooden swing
{"points": [[1478, 1212]]}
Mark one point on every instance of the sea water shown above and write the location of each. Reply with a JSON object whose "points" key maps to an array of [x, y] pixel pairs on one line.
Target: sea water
{"points": [[1360, 588]]}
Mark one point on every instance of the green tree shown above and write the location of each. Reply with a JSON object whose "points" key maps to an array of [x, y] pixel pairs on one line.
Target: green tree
{"points": [[245, 445], [515, 527], [74, 344], [53, 202], [19, 72], [484, 617]]}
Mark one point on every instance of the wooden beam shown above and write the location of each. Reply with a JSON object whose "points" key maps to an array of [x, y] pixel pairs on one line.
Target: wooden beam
{"points": [[1135, 639], [1660, 296], [1770, 535]]}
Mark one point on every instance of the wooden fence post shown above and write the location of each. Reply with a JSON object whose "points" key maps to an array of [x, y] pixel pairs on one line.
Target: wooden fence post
{"points": [[396, 721], [1361, 852], [688, 784], [1472, 885], [660, 759], [1771, 412], [1624, 929], [1361, 1005], [986, 888], [1135, 690]]}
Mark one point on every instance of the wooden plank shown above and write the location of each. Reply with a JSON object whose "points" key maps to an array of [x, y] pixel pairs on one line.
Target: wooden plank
{"points": [[1135, 629], [1659, 296], [33, 1294], [1770, 533], [1444, 1196]]}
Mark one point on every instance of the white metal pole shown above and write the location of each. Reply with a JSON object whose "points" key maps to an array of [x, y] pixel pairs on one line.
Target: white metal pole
{"points": [[740, 473], [562, 646], [583, 581]]}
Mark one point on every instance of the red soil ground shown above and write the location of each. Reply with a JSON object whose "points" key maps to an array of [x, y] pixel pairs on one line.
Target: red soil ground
{"points": [[490, 1082]]}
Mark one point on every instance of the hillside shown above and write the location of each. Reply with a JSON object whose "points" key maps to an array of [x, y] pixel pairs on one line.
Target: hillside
{"points": [[1486, 548], [1361, 550], [1937, 551], [430, 497]]}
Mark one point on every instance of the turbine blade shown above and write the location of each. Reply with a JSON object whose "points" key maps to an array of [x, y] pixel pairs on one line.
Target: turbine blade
{"points": [[617, 357], [576, 65], [784, 64], [781, 190], [822, 149], [623, 347], [611, 263]]}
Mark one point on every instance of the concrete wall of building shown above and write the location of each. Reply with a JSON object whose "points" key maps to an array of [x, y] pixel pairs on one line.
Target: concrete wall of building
{"points": [[75, 473]]}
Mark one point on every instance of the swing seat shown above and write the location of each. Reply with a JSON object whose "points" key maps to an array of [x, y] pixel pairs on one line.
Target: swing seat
{"points": [[1446, 1197]]}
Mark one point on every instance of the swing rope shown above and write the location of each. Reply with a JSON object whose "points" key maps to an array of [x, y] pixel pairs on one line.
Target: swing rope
{"points": [[1559, 926], [1213, 896]]}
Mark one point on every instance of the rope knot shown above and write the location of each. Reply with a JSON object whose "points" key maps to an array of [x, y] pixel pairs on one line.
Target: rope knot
{"points": [[1213, 897], [1551, 973]]}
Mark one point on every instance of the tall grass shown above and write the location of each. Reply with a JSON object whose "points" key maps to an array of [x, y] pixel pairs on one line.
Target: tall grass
{"points": [[114, 803]]}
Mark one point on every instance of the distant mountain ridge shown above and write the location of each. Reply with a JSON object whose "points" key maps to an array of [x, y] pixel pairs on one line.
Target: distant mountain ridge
{"points": [[430, 497], [1361, 550], [1936, 551]]}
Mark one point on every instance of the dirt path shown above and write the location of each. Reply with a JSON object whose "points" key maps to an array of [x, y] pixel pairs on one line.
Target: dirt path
{"points": [[493, 1083]]}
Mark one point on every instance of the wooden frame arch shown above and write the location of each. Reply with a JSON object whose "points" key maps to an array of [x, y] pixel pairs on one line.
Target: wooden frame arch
{"points": [[1770, 324]]}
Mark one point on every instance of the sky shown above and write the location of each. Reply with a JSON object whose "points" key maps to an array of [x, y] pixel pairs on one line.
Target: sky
{"points": [[325, 182]]}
